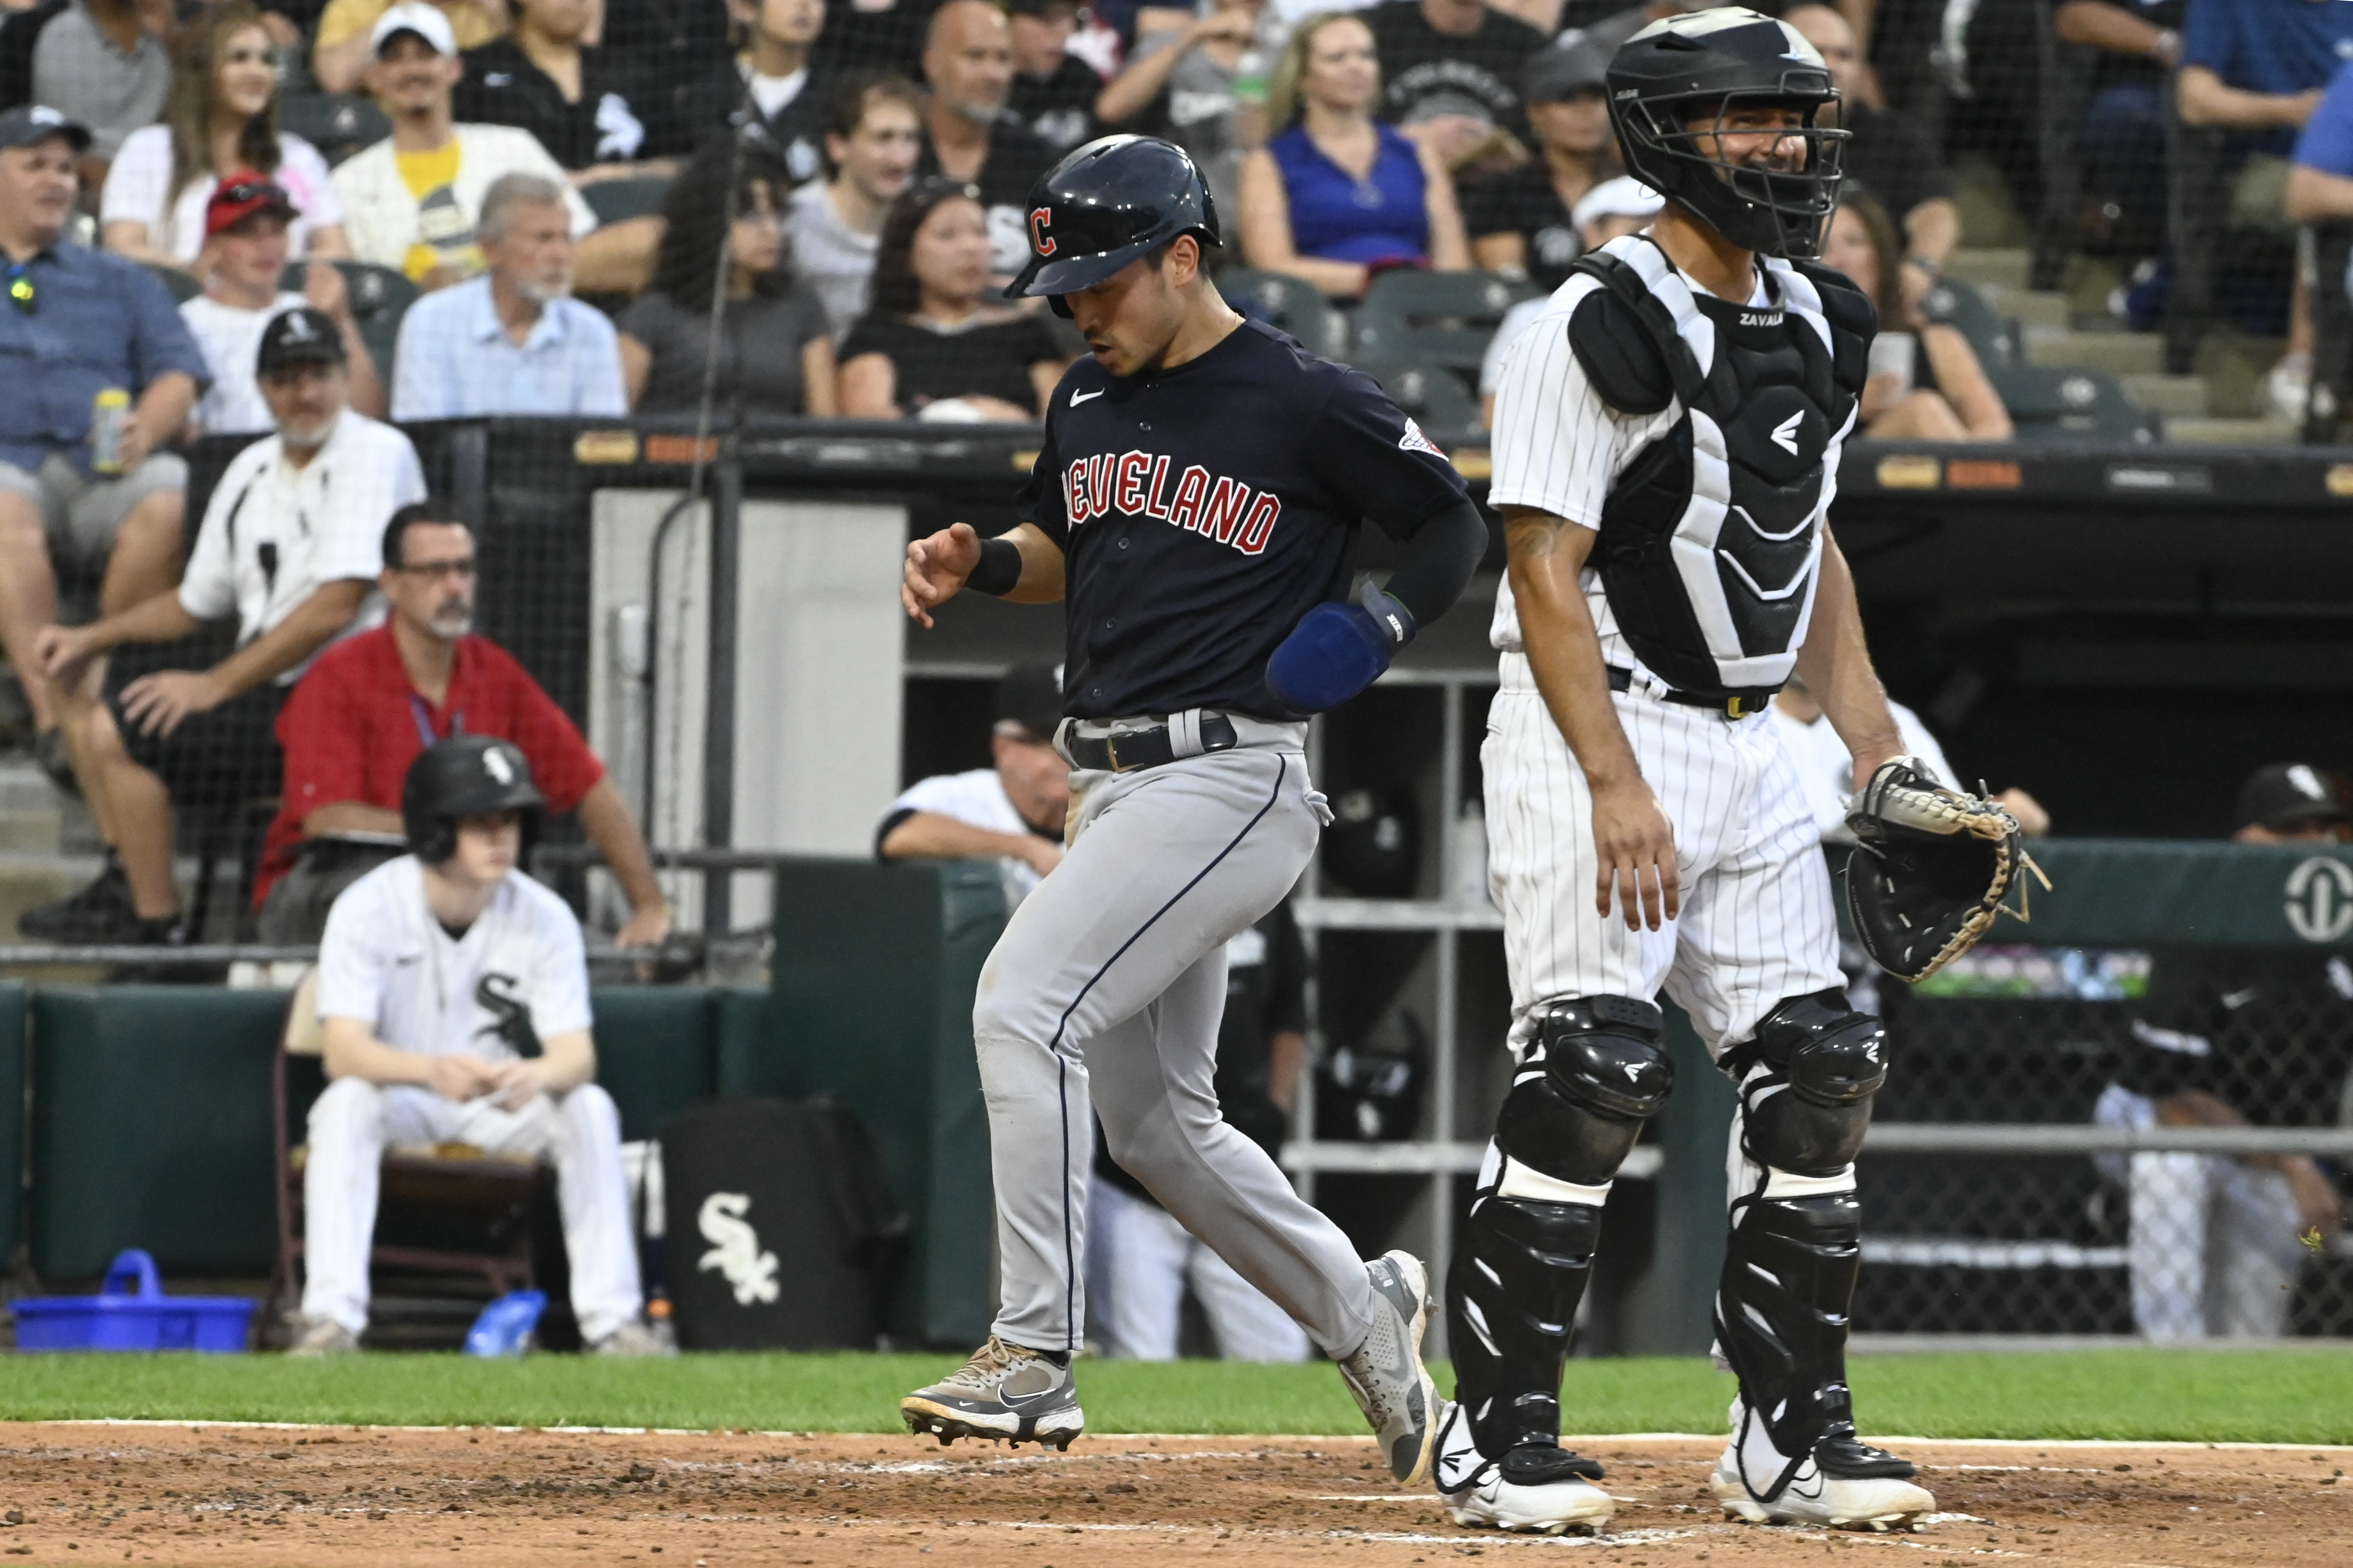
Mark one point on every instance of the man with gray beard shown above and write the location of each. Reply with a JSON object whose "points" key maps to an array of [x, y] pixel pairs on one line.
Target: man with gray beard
{"points": [[288, 547], [512, 341], [373, 703]]}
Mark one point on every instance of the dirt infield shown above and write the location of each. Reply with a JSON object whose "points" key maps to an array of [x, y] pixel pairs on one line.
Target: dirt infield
{"points": [[77, 1493]]}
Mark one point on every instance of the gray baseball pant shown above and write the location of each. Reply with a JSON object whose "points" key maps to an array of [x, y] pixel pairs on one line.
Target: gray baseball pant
{"points": [[1103, 997]]}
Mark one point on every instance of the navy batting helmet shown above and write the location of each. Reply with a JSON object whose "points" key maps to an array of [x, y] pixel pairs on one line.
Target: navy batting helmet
{"points": [[465, 776], [1106, 204], [1664, 81]]}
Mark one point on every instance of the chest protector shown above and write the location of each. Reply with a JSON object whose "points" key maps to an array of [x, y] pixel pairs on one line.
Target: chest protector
{"points": [[1711, 539]]}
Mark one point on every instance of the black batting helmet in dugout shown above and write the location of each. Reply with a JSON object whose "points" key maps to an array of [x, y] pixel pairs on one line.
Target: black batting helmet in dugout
{"points": [[1106, 204], [1673, 82], [465, 776]]}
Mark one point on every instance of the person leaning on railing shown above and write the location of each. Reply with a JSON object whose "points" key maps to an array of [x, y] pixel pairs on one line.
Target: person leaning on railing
{"points": [[2231, 1037], [370, 706]]}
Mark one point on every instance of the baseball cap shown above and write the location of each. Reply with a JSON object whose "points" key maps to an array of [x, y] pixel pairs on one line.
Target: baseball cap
{"points": [[30, 124], [240, 195], [1031, 696], [299, 336], [1564, 70], [2284, 795], [426, 21], [1624, 197]]}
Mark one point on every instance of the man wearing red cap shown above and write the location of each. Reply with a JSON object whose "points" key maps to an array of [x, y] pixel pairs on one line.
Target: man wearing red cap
{"points": [[247, 224]]}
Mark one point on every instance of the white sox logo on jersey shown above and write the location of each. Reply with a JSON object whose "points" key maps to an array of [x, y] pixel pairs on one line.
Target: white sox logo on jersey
{"points": [[1138, 484]]}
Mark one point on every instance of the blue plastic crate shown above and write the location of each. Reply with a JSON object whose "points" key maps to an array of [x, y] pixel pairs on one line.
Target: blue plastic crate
{"points": [[131, 1312]]}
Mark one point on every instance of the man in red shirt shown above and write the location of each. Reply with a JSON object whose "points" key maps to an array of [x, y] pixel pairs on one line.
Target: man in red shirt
{"points": [[370, 705]]}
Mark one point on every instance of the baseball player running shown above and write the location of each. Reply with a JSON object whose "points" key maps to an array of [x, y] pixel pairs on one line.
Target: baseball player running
{"points": [[1194, 504], [1666, 443]]}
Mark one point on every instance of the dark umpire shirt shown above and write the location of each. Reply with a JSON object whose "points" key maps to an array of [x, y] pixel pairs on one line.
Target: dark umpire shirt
{"points": [[1202, 510], [2267, 1030], [1266, 995], [616, 120]]}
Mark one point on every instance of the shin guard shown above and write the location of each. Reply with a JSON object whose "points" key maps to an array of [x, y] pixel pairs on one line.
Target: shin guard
{"points": [[1511, 1299], [1781, 1318]]}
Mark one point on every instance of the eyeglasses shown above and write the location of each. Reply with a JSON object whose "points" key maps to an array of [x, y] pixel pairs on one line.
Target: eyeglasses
{"points": [[250, 191], [20, 287], [429, 569]]}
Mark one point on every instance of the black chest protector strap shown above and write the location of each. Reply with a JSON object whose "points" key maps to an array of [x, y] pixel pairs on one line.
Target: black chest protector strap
{"points": [[1707, 540]]}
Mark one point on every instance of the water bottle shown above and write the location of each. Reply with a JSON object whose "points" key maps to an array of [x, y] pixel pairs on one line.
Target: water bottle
{"points": [[506, 1324]]}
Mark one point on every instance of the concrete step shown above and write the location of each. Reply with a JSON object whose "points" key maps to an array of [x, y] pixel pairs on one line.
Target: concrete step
{"points": [[2268, 432], [2176, 395], [2118, 353], [33, 829], [2031, 307], [2006, 269], [27, 879], [25, 788]]}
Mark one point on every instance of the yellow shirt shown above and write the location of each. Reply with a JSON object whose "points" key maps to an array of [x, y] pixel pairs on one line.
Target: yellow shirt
{"points": [[445, 232], [345, 20]]}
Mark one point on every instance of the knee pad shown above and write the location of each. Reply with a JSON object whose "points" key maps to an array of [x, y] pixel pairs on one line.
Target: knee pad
{"points": [[1597, 1070], [1781, 1305], [1807, 1112], [1512, 1295]]}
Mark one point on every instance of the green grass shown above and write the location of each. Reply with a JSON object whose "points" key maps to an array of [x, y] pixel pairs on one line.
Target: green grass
{"points": [[2299, 1396]]}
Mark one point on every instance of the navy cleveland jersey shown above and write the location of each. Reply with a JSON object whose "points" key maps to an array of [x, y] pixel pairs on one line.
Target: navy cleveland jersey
{"points": [[1202, 510]]}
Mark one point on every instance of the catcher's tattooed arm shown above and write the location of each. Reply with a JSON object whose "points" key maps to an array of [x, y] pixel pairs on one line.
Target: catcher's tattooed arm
{"points": [[1835, 665], [1633, 841]]}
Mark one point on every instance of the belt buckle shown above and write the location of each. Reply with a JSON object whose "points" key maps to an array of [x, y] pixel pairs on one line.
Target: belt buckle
{"points": [[1111, 752], [1740, 708]]}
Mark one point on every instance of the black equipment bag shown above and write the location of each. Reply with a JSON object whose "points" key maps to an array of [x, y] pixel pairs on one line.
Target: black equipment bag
{"points": [[779, 1228]]}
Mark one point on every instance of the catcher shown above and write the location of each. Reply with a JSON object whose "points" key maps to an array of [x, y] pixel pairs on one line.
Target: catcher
{"points": [[1666, 443]]}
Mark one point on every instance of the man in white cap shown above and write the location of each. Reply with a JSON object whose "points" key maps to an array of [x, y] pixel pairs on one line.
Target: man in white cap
{"points": [[411, 201], [1619, 206]]}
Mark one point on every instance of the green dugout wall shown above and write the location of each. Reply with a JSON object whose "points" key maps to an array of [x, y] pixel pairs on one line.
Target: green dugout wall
{"points": [[149, 1106]]}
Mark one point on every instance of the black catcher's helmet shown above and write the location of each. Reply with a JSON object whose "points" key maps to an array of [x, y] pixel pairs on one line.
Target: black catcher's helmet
{"points": [[1665, 80], [1106, 204], [465, 776]]}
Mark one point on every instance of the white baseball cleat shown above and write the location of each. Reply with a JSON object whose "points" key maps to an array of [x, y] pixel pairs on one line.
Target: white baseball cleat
{"points": [[1843, 1484], [1536, 1489]]}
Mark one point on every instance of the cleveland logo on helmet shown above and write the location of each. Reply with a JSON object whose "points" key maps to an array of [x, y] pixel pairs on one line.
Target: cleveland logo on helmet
{"points": [[1112, 201]]}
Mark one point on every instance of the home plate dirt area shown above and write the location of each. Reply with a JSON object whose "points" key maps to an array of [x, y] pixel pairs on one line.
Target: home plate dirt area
{"points": [[90, 1493]]}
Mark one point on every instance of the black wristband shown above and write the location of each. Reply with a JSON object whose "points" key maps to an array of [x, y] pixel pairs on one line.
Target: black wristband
{"points": [[999, 569]]}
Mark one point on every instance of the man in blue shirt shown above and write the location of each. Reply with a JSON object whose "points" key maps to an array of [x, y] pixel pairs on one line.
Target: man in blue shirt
{"points": [[78, 323], [2257, 66], [512, 341]]}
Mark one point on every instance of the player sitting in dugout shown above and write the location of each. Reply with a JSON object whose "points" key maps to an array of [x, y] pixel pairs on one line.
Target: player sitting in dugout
{"points": [[453, 992], [370, 706], [2232, 1036], [1011, 810]]}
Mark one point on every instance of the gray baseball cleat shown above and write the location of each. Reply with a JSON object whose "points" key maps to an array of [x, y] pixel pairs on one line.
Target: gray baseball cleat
{"points": [[1005, 1392], [1386, 1374], [1540, 1489]]}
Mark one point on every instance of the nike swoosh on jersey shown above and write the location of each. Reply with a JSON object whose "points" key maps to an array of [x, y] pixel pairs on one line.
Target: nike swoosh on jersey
{"points": [[1078, 398]]}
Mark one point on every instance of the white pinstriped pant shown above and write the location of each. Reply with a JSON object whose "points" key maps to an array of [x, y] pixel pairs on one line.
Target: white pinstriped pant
{"points": [[1757, 926]]}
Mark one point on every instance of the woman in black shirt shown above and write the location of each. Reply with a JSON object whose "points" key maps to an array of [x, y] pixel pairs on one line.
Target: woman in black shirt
{"points": [[775, 348], [932, 345]]}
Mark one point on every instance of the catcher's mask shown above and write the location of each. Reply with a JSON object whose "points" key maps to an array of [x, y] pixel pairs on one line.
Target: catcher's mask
{"points": [[1673, 83]]}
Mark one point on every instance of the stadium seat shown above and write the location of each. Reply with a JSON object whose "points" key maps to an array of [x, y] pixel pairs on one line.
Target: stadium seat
{"points": [[379, 296], [1434, 395], [338, 125], [1435, 317], [2057, 403], [180, 285], [616, 201], [1288, 304], [1956, 304]]}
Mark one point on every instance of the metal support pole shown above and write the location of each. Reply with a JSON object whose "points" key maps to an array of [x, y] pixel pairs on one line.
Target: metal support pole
{"points": [[719, 721]]}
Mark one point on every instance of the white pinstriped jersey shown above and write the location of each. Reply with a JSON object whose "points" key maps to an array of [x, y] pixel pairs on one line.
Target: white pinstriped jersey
{"points": [[1559, 447]]}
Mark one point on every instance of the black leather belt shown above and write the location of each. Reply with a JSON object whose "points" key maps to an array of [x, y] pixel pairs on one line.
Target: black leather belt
{"points": [[1137, 749], [1731, 704]]}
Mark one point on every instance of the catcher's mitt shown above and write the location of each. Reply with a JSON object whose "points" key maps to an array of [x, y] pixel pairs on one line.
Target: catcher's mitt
{"points": [[1929, 870]]}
